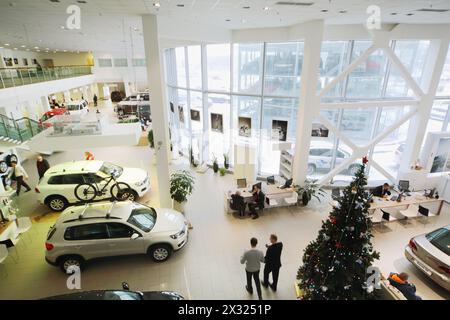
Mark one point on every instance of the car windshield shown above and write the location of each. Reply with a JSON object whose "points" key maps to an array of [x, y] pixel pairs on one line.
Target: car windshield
{"points": [[111, 169], [143, 217], [121, 295], [73, 107], [440, 238]]}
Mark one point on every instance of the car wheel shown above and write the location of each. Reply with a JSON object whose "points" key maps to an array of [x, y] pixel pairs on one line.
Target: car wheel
{"points": [[160, 252], [311, 169], [353, 169], [130, 195], [57, 203], [69, 261], [3, 167]]}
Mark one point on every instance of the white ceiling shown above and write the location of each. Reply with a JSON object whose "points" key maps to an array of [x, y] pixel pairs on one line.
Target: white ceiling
{"points": [[115, 25]]}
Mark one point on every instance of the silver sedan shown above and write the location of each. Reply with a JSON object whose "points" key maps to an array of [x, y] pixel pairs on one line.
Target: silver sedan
{"points": [[430, 253]]}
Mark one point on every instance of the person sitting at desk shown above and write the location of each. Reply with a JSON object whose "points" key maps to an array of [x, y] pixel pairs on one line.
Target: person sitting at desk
{"points": [[381, 191], [238, 203], [258, 201]]}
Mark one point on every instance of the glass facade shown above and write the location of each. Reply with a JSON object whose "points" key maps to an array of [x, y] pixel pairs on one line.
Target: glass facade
{"points": [[248, 93]]}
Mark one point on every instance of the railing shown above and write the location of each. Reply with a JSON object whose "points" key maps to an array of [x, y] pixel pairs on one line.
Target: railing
{"points": [[13, 77], [19, 130]]}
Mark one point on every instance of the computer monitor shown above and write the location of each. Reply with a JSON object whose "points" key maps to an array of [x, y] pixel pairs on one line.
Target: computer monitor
{"points": [[288, 183], [271, 180], [259, 184], [403, 185], [242, 183]]}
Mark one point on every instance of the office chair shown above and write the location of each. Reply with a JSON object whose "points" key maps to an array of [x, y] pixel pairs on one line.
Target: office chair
{"points": [[386, 217], [424, 214]]}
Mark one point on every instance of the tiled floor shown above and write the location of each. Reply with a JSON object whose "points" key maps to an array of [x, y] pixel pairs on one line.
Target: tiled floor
{"points": [[208, 267]]}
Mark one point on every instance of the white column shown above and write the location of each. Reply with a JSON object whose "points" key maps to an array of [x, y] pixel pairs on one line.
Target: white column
{"points": [[430, 80], [67, 96], [45, 104], [309, 101], [160, 120]]}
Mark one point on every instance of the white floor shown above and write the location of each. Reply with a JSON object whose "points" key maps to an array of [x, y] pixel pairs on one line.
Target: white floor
{"points": [[208, 267]]}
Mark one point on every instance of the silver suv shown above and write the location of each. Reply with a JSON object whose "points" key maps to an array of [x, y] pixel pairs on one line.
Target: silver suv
{"points": [[106, 229]]}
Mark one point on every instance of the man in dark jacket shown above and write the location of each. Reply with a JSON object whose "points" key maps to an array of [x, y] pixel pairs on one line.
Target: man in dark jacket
{"points": [[381, 191], [238, 203], [42, 166], [258, 202], [400, 281], [272, 262]]}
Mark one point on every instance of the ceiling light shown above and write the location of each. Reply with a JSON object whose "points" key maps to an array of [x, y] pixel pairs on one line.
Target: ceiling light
{"points": [[180, 5], [23, 46], [266, 8], [246, 7], [343, 11], [28, 49], [15, 48], [47, 49], [62, 27], [286, 3], [324, 10], [7, 44], [65, 50], [393, 13], [54, 0], [135, 29], [227, 20], [433, 10], [54, 51], [157, 5], [38, 50], [36, 47], [81, 1], [410, 14], [40, 40]]}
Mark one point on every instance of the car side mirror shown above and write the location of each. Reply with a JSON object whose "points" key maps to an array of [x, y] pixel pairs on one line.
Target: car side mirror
{"points": [[134, 236]]}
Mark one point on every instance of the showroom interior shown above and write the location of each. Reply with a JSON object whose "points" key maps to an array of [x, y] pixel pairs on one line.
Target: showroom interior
{"points": [[176, 111]]}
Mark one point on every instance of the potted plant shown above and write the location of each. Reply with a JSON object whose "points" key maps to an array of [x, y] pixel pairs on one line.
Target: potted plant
{"points": [[181, 186], [150, 139], [215, 165], [226, 161], [222, 171], [310, 189]]}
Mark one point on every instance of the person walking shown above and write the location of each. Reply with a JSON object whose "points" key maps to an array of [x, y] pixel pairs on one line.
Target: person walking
{"points": [[19, 173], [252, 259], [95, 100], [88, 156], [272, 262], [42, 166]]}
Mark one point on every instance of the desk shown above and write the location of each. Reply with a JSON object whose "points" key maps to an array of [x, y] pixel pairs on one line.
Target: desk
{"points": [[271, 191], [415, 198], [8, 233]]}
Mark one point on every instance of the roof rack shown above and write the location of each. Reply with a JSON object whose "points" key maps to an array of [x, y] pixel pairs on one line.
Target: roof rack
{"points": [[82, 212], [108, 213]]}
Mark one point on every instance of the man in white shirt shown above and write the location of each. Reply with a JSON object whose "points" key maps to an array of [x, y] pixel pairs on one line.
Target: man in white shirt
{"points": [[20, 175]]}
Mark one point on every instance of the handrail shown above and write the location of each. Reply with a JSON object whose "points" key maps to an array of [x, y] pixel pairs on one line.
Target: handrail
{"points": [[15, 132], [36, 67]]}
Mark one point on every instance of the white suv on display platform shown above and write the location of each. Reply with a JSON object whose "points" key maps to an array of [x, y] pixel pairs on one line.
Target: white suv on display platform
{"points": [[107, 229], [57, 188]]}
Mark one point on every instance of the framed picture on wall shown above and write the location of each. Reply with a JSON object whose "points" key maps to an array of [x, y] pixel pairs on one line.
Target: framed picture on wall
{"points": [[195, 115], [25, 61], [8, 62], [245, 126], [319, 130], [171, 107], [217, 122], [16, 61], [181, 113], [279, 130]]}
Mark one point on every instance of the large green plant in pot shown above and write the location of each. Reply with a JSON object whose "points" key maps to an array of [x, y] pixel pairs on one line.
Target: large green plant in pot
{"points": [[215, 165], [309, 190], [181, 186]]}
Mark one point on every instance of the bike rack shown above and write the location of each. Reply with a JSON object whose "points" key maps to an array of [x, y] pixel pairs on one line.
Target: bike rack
{"points": [[82, 212], [108, 213]]}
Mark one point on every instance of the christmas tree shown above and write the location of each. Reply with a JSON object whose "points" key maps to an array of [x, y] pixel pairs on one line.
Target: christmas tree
{"points": [[335, 264]]}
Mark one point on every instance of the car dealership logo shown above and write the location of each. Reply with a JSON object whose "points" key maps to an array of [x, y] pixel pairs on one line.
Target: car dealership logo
{"points": [[374, 20], [74, 279]]}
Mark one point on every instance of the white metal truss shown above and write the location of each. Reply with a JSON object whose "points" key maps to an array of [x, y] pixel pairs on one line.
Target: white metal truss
{"points": [[360, 151]]}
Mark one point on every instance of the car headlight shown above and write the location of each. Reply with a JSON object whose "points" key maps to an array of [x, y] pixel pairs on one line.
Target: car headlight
{"points": [[178, 234]]}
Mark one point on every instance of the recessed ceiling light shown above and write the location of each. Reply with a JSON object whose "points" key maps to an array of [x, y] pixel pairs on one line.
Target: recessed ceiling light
{"points": [[47, 49], [36, 47], [135, 29], [23, 46], [393, 13], [81, 1], [324, 10], [54, 0], [246, 7], [157, 5], [7, 44], [343, 11], [38, 50], [65, 50], [410, 14], [180, 5], [266, 8], [15, 48], [227, 20]]}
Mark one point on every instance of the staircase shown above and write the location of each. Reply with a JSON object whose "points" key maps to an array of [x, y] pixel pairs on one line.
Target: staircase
{"points": [[18, 131]]}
